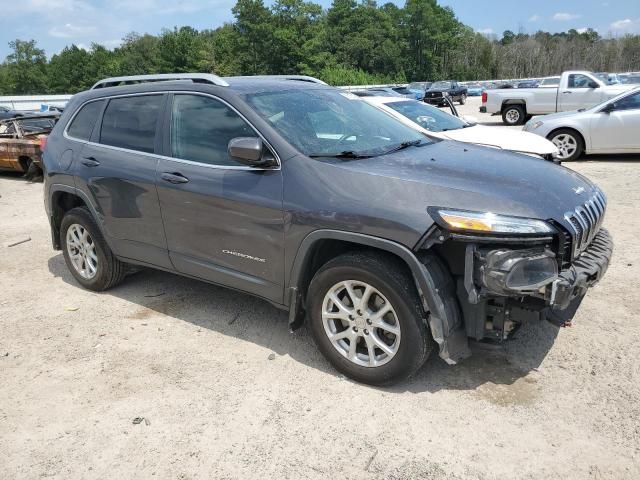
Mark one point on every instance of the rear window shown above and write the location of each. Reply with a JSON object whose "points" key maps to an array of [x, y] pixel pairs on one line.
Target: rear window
{"points": [[130, 122], [83, 123]]}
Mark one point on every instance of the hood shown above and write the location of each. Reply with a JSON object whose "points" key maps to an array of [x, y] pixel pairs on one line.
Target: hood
{"points": [[507, 139], [456, 175]]}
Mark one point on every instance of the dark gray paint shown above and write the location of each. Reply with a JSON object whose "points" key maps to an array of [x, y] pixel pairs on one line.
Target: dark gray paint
{"points": [[276, 215]]}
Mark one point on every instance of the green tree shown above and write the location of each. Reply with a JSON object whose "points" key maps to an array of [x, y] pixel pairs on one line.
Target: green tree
{"points": [[26, 68]]}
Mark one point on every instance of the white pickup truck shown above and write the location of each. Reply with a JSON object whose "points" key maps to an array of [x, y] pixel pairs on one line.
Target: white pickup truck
{"points": [[577, 89]]}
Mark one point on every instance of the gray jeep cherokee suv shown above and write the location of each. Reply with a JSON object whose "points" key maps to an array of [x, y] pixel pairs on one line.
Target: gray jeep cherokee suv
{"points": [[388, 242]]}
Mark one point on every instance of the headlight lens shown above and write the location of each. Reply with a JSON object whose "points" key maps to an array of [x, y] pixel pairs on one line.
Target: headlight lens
{"points": [[491, 223]]}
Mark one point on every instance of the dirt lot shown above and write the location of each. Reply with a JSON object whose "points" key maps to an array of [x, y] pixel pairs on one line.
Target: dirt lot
{"points": [[76, 368]]}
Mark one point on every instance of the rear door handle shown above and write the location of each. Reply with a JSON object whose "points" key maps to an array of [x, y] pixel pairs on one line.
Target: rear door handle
{"points": [[173, 177], [90, 162]]}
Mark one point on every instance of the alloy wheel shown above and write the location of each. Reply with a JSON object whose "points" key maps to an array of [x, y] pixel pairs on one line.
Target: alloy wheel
{"points": [[513, 116], [82, 251], [361, 323], [567, 145]]}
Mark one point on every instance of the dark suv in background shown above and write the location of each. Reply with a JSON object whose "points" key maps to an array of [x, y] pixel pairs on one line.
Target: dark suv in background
{"points": [[389, 242]]}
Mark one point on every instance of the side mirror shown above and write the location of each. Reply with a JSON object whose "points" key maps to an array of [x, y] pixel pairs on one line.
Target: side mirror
{"points": [[250, 151], [593, 84]]}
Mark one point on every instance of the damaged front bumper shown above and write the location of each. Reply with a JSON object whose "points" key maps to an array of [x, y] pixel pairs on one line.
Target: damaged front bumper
{"points": [[584, 272], [504, 287]]}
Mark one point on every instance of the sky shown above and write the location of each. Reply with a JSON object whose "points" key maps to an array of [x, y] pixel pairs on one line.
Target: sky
{"points": [[56, 23]]}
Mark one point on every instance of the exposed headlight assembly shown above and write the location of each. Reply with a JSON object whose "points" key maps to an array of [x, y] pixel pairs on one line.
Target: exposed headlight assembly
{"points": [[487, 222]]}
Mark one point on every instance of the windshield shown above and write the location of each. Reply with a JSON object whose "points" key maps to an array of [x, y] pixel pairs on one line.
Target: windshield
{"points": [[418, 86], [428, 117], [326, 122], [441, 85]]}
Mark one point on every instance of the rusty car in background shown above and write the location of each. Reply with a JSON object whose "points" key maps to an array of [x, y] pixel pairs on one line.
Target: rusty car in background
{"points": [[21, 142]]}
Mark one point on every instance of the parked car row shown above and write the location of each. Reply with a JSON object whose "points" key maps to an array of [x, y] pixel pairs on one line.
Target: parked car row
{"points": [[354, 214]]}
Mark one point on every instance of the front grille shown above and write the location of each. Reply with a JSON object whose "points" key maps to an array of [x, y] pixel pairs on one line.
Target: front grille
{"points": [[586, 221]]}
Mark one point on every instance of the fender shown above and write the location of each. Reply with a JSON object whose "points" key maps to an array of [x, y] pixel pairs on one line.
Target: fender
{"points": [[60, 187], [444, 322]]}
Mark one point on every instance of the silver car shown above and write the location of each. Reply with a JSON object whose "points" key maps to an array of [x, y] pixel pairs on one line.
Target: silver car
{"points": [[610, 127]]}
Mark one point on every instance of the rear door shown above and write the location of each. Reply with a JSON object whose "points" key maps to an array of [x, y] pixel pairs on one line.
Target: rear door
{"points": [[116, 171], [578, 93], [223, 221]]}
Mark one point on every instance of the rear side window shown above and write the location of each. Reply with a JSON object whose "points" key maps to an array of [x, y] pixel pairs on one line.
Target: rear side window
{"points": [[130, 122], [202, 127], [83, 123]]}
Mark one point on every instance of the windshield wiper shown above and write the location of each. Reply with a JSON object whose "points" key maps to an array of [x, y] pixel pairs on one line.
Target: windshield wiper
{"points": [[402, 146], [344, 154]]}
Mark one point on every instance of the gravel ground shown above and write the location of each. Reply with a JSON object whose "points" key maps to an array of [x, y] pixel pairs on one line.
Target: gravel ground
{"points": [[222, 390]]}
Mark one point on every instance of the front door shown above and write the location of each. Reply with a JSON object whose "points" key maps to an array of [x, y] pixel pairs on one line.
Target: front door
{"points": [[116, 170], [617, 130], [578, 93], [223, 221]]}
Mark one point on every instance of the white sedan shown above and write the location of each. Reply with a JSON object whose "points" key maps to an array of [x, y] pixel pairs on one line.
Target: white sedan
{"points": [[610, 127], [437, 123]]}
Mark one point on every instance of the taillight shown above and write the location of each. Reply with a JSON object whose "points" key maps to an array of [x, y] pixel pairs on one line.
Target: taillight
{"points": [[43, 143], [484, 97]]}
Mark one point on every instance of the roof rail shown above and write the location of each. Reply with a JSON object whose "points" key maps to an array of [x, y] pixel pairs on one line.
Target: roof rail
{"points": [[301, 78], [160, 77]]}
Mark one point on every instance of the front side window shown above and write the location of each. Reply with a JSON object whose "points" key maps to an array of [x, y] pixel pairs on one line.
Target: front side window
{"points": [[201, 128], [130, 122], [328, 122], [83, 123], [577, 80], [630, 102], [428, 117]]}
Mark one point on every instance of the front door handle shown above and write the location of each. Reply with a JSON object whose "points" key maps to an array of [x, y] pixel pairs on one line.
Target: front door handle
{"points": [[173, 177], [90, 162], [566, 91]]}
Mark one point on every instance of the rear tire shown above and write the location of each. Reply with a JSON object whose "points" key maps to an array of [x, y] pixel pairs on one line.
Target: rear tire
{"points": [[348, 331], [86, 253], [514, 115], [569, 143]]}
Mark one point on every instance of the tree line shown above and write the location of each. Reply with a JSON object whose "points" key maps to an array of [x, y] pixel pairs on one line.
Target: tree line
{"points": [[349, 43]]}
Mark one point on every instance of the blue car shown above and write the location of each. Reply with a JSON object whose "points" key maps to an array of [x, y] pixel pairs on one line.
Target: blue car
{"points": [[475, 90]]}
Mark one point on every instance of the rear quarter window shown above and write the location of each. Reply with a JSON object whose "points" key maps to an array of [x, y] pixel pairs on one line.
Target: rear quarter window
{"points": [[82, 124]]}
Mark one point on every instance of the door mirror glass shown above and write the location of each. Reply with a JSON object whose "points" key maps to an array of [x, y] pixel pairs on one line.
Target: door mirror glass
{"points": [[249, 151]]}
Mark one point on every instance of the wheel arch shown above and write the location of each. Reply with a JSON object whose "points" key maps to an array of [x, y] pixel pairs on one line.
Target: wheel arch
{"points": [[321, 245], [573, 129], [24, 161], [515, 101], [62, 199]]}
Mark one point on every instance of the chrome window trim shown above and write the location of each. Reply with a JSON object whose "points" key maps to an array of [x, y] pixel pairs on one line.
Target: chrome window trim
{"points": [[175, 159]]}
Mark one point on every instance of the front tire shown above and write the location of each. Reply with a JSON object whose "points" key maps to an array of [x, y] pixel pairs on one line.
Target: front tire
{"points": [[514, 115], [367, 319], [463, 99], [569, 143], [86, 253]]}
